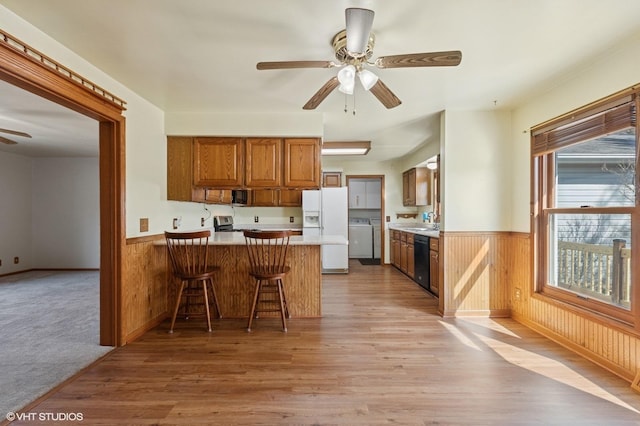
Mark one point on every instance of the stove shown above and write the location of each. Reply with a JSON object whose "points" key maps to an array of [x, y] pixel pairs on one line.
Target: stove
{"points": [[223, 224]]}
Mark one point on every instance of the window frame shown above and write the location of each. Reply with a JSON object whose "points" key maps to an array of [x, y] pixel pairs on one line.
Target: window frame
{"points": [[543, 153]]}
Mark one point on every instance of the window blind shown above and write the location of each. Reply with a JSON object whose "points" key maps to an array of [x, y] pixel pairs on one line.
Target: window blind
{"points": [[593, 126]]}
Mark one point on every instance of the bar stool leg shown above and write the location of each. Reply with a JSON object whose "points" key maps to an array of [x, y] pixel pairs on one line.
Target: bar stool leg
{"points": [[206, 303], [175, 310], [215, 298], [253, 306], [282, 305]]}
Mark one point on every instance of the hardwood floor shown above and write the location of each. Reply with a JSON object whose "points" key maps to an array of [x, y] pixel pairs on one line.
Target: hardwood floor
{"points": [[379, 355]]}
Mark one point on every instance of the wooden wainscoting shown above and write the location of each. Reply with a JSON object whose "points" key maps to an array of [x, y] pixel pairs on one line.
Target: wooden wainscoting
{"points": [[234, 286], [596, 340], [474, 271], [144, 288]]}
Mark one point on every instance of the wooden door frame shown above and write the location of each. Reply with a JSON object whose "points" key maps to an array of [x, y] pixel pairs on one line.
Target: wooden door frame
{"points": [[25, 68], [382, 203]]}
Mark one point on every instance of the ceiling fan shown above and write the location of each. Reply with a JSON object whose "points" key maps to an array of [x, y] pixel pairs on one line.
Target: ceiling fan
{"points": [[12, 132], [353, 49]]}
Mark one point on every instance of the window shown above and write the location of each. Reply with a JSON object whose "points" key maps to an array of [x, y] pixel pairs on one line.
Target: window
{"points": [[585, 211]]}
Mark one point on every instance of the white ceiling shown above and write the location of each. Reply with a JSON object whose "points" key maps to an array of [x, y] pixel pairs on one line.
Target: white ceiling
{"points": [[200, 55]]}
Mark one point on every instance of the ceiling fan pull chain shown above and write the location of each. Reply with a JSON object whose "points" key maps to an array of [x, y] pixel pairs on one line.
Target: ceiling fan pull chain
{"points": [[354, 102], [345, 103]]}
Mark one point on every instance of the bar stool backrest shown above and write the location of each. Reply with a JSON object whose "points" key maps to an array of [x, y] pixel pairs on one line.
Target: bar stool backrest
{"points": [[188, 252], [267, 251]]}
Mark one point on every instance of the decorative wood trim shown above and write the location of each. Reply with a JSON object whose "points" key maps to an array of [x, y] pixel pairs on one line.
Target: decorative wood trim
{"points": [[30, 53], [144, 239], [26, 68]]}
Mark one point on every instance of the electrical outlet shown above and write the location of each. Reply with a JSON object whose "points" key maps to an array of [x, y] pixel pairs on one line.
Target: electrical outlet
{"points": [[518, 294], [290, 219], [16, 260], [144, 224], [202, 221], [256, 219], [388, 218], [175, 223]]}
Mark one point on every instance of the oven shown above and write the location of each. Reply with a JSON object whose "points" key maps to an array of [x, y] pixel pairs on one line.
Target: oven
{"points": [[223, 224]]}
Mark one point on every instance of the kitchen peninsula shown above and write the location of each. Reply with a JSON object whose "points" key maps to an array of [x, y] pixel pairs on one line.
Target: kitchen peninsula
{"points": [[234, 287]]}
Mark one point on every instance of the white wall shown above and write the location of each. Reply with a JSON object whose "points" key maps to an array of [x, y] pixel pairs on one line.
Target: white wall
{"points": [[611, 73], [15, 212], [49, 215], [476, 171], [145, 136], [66, 213]]}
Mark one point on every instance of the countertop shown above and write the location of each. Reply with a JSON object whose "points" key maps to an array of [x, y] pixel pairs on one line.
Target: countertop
{"points": [[237, 239], [416, 228]]}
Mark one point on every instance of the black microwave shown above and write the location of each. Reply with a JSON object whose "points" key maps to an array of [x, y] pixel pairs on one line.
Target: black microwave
{"points": [[240, 197]]}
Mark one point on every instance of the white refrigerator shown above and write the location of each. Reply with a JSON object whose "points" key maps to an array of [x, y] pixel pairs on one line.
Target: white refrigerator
{"points": [[332, 204]]}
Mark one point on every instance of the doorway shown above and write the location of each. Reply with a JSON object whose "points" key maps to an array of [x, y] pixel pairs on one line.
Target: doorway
{"points": [[26, 68], [366, 218]]}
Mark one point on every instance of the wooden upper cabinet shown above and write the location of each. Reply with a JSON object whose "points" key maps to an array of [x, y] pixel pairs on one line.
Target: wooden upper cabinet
{"points": [[218, 162], [264, 197], [416, 187], [331, 179], [211, 196], [276, 197], [302, 163], [263, 162], [179, 168], [290, 198]]}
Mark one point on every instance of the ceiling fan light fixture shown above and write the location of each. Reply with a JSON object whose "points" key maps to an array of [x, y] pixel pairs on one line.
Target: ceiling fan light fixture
{"points": [[367, 78], [359, 22], [346, 77], [347, 89]]}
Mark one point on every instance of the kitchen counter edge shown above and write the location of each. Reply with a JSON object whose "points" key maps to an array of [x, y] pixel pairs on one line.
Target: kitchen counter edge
{"points": [[403, 228], [237, 239]]}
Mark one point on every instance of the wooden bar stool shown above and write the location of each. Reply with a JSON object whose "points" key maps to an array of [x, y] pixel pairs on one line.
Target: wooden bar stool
{"points": [[188, 252], [267, 265]]}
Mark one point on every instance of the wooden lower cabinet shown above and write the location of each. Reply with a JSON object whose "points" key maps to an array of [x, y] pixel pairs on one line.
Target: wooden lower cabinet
{"points": [[395, 248], [402, 252], [434, 265]]}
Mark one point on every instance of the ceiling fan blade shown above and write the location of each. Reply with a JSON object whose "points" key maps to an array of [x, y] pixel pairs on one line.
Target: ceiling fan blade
{"points": [[280, 65], [430, 59], [358, 24], [14, 132], [324, 91], [385, 95], [7, 141]]}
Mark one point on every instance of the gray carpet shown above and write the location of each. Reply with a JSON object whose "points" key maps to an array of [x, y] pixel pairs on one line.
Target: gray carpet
{"points": [[49, 330]]}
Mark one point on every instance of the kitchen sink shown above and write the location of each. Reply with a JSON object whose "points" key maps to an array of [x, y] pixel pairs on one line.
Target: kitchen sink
{"points": [[432, 228]]}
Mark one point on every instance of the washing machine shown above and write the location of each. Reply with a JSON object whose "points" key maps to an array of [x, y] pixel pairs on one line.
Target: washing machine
{"points": [[360, 239]]}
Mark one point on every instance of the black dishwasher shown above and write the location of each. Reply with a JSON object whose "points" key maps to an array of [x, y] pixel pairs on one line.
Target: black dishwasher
{"points": [[421, 258]]}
